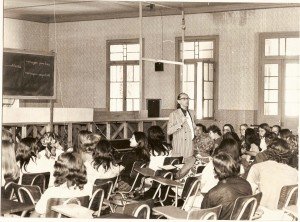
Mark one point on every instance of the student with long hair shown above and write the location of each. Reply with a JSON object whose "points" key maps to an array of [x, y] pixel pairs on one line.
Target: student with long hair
{"points": [[214, 133], [228, 128], [140, 152], [243, 128], [10, 170], [70, 180], [181, 125], [230, 185], [26, 154], [263, 130], [103, 165], [251, 145]]}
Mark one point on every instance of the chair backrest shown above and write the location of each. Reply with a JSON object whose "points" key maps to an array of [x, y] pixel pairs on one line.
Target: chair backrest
{"points": [[36, 179], [136, 164], [114, 180], [84, 201], [7, 191], [138, 210], [29, 194], [96, 201], [245, 206], [34, 190], [205, 214], [288, 196], [106, 187], [138, 180], [190, 188], [169, 160]]}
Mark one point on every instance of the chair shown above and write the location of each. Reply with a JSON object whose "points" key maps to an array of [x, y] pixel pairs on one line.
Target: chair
{"points": [[138, 210], [245, 206], [288, 196], [114, 180], [39, 179], [162, 190], [290, 205], [190, 188], [83, 201], [171, 212], [29, 194], [96, 201], [173, 160], [107, 190]]}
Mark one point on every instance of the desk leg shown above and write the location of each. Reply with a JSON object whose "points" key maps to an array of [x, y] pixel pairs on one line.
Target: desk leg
{"points": [[176, 197]]}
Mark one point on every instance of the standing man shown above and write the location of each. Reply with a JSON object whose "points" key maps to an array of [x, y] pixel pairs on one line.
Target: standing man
{"points": [[181, 125]]}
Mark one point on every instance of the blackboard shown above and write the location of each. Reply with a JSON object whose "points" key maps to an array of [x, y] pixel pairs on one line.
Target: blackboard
{"points": [[27, 75]]}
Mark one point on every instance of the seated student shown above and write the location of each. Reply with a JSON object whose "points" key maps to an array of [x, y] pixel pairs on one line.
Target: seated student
{"points": [[228, 128], [10, 169], [229, 187], [264, 130], [251, 145], [276, 129], [6, 135], [285, 133], [158, 149], [70, 180], [243, 128], [50, 146], [214, 133], [203, 144], [140, 152], [103, 165], [270, 176]]}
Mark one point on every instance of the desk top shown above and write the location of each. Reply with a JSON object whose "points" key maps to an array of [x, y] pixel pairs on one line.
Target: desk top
{"points": [[165, 181], [147, 172], [171, 212], [9, 206], [118, 215], [73, 211]]}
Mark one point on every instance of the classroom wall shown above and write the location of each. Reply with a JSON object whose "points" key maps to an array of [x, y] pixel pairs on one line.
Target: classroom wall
{"points": [[81, 56]]}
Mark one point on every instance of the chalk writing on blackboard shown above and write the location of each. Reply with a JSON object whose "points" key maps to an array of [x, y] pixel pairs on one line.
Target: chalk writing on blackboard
{"points": [[37, 74], [38, 63], [14, 66]]}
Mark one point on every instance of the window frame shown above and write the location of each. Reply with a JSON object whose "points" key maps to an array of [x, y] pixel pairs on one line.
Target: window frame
{"points": [[124, 64], [215, 61], [280, 60]]}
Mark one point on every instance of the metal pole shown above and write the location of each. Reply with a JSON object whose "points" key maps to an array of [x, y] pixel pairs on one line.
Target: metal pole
{"points": [[141, 54]]}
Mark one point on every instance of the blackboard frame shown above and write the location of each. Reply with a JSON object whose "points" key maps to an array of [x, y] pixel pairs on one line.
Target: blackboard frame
{"points": [[32, 52]]}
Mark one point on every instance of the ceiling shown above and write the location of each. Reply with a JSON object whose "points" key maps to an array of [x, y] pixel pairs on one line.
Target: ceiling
{"points": [[49, 11]]}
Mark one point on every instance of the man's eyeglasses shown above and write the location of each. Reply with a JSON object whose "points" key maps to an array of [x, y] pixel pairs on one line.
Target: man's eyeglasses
{"points": [[184, 99]]}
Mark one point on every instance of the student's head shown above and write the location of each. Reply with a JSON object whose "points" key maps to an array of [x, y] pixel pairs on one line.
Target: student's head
{"points": [[139, 142], [156, 138], [87, 141], [231, 135], [27, 150], [243, 128], [69, 168], [292, 142], [183, 100], [263, 129], [7, 135], [200, 129], [285, 133], [251, 137], [225, 166], [49, 142], [214, 132], [228, 128], [231, 147], [278, 150], [10, 169], [276, 129], [103, 155]]}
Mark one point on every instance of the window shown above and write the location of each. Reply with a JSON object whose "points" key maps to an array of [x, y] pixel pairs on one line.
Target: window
{"points": [[124, 75], [198, 76], [280, 77]]}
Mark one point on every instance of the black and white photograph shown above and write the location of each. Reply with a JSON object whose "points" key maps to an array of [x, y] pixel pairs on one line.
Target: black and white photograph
{"points": [[164, 109]]}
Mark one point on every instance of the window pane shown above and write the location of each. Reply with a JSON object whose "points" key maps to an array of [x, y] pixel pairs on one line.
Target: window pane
{"points": [[271, 82], [188, 46], [271, 108], [192, 104], [293, 46], [211, 72], [188, 88], [116, 73], [136, 70], [292, 96], [136, 104], [116, 48], [206, 54], [205, 108], [116, 104], [292, 109], [292, 83], [116, 57], [271, 47], [271, 69], [129, 104], [208, 90], [133, 48], [205, 71], [282, 46], [133, 90], [191, 72], [206, 45], [189, 54], [292, 69], [133, 56], [210, 108], [116, 90], [271, 96], [130, 73]]}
